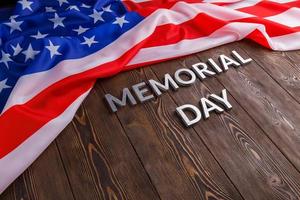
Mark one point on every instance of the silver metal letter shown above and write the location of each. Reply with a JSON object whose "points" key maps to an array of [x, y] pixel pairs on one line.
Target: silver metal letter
{"points": [[222, 100], [188, 107], [113, 101], [158, 87], [212, 107], [214, 65], [187, 72], [242, 60], [226, 62], [201, 73], [140, 92]]}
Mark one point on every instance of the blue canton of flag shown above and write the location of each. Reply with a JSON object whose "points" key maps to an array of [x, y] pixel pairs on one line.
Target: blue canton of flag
{"points": [[40, 34]]}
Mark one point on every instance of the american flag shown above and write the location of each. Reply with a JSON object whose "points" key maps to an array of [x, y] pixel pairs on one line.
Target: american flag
{"points": [[52, 52]]}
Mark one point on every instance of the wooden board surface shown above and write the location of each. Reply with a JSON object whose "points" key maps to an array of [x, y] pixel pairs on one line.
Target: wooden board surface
{"points": [[144, 152]]}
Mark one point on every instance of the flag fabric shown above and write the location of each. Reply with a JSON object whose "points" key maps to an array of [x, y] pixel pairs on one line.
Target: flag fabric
{"points": [[53, 51]]}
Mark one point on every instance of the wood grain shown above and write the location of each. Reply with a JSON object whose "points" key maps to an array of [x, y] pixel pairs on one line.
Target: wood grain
{"points": [[144, 151], [281, 66], [244, 152], [100, 156], [177, 162], [266, 101], [44, 179]]}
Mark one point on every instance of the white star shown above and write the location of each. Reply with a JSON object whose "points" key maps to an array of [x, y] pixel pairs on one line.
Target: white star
{"points": [[97, 16], [107, 9], [80, 30], [14, 25], [58, 21], [121, 21], [39, 35], [30, 53], [85, 6], [17, 49], [73, 8], [89, 41], [25, 4], [5, 58], [3, 85], [50, 9], [53, 49], [61, 2]]}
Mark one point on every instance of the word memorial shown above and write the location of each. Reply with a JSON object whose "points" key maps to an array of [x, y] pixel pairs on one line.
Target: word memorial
{"points": [[188, 113]]}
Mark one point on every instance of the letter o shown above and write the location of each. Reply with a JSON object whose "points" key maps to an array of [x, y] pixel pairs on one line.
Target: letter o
{"points": [[189, 73]]}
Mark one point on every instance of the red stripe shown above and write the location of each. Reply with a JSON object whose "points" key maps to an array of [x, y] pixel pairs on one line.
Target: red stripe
{"points": [[258, 37], [261, 9], [269, 8], [148, 7], [21, 121], [203, 25], [200, 26], [273, 29]]}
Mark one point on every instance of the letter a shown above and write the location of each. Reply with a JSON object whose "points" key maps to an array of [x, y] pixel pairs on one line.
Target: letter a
{"points": [[212, 107]]}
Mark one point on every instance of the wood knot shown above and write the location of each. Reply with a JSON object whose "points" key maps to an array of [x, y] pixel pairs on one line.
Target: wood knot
{"points": [[274, 180]]}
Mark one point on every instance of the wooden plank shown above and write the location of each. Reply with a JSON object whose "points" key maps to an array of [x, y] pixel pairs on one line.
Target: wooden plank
{"points": [[247, 156], [8, 194], [44, 179], [178, 163], [144, 152], [99, 159], [279, 65], [294, 57], [271, 107]]}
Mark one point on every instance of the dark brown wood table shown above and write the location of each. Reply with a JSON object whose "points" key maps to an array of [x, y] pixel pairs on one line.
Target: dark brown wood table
{"points": [[143, 151]]}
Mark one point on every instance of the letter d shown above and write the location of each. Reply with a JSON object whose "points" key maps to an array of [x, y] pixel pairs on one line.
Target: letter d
{"points": [[191, 108]]}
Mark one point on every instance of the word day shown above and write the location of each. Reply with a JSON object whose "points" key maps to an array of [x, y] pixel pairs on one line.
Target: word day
{"points": [[213, 103]]}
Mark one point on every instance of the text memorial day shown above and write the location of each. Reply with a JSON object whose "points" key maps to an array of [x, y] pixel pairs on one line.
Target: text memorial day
{"points": [[188, 113]]}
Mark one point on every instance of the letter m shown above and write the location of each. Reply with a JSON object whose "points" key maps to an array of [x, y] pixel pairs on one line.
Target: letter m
{"points": [[113, 102]]}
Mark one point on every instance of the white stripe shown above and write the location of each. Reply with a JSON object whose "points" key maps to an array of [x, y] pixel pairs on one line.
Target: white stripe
{"points": [[248, 3], [290, 17], [287, 42], [15, 163], [243, 4], [229, 33], [30, 85]]}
